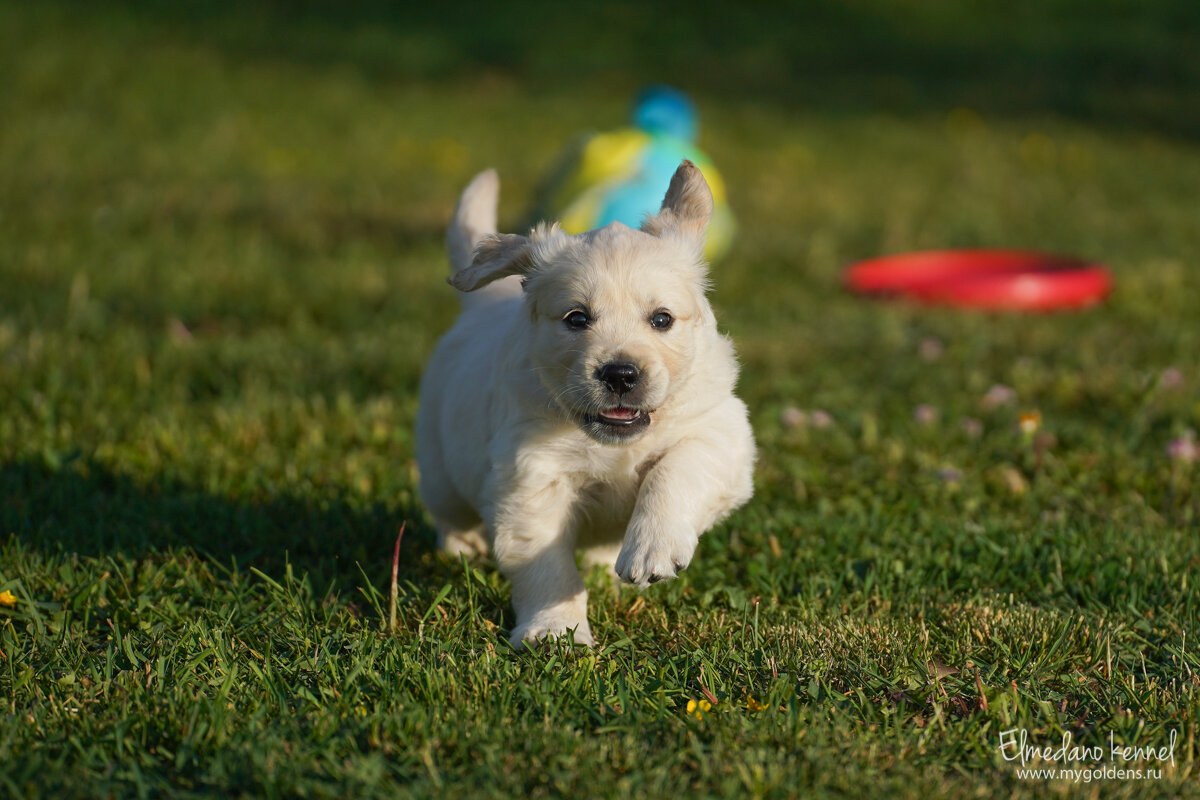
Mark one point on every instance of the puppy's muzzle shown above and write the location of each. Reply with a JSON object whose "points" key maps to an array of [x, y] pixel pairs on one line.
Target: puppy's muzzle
{"points": [[620, 378], [621, 417]]}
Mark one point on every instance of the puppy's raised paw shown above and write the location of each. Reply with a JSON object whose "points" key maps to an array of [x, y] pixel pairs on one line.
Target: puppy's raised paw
{"points": [[652, 554]]}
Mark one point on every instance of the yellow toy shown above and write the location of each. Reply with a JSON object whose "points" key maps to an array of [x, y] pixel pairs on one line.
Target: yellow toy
{"points": [[622, 175]]}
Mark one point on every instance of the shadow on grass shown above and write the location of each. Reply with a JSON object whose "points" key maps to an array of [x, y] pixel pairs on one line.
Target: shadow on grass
{"points": [[92, 512]]}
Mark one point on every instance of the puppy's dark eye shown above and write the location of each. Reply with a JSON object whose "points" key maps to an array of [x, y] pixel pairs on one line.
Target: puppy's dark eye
{"points": [[577, 320], [661, 320]]}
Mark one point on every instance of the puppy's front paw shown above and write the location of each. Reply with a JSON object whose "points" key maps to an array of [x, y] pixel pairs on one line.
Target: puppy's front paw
{"points": [[538, 629], [650, 555]]}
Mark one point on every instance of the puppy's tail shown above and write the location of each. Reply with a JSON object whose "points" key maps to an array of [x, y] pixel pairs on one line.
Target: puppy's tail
{"points": [[475, 218]]}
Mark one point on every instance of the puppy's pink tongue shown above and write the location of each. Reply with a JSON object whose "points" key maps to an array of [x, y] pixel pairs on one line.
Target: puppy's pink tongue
{"points": [[619, 413]]}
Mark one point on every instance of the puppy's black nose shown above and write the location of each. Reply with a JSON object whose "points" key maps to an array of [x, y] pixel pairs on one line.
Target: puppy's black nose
{"points": [[618, 377]]}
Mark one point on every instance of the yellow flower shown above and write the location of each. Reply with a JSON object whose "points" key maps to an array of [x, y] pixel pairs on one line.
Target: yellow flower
{"points": [[697, 709], [7, 598], [754, 705], [1030, 422]]}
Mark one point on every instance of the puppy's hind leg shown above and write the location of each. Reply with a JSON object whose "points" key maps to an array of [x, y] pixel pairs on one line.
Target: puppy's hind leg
{"points": [[602, 555], [456, 541], [459, 529]]}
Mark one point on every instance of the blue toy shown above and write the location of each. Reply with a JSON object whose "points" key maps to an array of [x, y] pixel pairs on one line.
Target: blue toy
{"points": [[622, 175]]}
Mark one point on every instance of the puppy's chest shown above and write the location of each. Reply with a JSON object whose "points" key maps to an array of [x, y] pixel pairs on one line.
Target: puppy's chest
{"points": [[605, 503]]}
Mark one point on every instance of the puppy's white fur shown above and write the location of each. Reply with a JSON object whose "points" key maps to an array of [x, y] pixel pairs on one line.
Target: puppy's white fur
{"points": [[524, 445]]}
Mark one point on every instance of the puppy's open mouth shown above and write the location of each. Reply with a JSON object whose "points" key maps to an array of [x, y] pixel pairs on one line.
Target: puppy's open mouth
{"points": [[620, 416], [619, 421]]}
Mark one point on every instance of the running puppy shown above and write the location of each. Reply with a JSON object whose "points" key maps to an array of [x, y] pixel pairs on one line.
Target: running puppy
{"points": [[583, 399]]}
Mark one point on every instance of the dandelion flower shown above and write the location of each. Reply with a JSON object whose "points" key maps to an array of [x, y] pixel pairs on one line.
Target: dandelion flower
{"points": [[1029, 422], [7, 598]]}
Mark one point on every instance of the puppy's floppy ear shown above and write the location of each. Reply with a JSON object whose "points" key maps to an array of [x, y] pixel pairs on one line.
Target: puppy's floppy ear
{"points": [[497, 256], [687, 206]]}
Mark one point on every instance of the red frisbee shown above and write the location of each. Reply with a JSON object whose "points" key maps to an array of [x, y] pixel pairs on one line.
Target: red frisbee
{"points": [[1006, 280]]}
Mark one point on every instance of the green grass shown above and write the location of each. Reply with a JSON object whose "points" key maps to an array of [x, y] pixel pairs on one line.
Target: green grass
{"points": [[220, 274]]}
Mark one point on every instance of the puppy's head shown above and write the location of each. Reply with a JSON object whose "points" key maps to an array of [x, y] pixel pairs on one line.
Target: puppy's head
{"points": [[619, 319]]}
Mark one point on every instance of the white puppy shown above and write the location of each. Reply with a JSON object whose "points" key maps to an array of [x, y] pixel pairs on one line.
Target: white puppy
{"points": [[583, 399]]}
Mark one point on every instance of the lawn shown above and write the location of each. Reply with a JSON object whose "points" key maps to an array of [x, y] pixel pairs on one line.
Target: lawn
{"points": [[221, 271]]}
